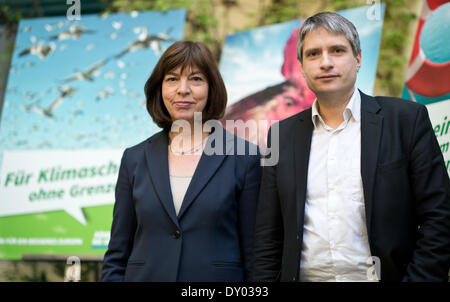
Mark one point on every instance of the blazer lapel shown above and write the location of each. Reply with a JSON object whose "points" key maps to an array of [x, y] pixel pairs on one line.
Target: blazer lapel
{"points": [[302, 148], [371, 126], [156, 155], [206, 168]]}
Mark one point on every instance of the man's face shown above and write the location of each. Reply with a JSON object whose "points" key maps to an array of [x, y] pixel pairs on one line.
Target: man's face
{"points": [[329, 65]]}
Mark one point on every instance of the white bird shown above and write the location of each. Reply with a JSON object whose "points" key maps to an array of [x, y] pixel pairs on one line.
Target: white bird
{"points": [[109, 75], [65, 92], [75, 31], [104, 93], [30, 107], [116, 25], [29, 95], [51, 27], [145, 41], [86, 75], [28, 64], [40, 49]]}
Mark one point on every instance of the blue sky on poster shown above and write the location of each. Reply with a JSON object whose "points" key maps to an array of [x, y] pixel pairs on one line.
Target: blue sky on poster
{"points": [[84, 120], [251, 60]]}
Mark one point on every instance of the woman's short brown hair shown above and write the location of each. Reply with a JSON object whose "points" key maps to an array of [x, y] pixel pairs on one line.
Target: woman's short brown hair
{"points": [[185, 54]]}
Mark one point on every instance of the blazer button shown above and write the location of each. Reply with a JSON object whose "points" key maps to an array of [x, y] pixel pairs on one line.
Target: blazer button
{"points": [[176, 234]]}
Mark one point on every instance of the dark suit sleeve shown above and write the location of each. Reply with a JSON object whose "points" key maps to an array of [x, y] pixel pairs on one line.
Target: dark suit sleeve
{"points": [[248, 200], [431, 190], [123, 228], [268, 242]]}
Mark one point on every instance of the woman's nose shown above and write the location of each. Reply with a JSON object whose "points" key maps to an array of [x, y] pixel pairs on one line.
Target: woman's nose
{"points": [[184, 87]]}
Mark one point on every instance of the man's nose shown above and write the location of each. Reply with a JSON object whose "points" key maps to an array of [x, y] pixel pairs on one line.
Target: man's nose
{"points": [[326, 61], [184, 87]]}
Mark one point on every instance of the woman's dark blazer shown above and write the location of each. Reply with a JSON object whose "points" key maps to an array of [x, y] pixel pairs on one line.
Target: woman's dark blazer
{"points": [[210, 239]]}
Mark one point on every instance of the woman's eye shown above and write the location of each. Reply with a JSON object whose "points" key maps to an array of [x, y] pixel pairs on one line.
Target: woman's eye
{"points": [[197, 79], [170, 79]]}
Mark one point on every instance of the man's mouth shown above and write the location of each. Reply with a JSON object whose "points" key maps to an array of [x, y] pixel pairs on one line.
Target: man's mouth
{"points": [[328, 76]]}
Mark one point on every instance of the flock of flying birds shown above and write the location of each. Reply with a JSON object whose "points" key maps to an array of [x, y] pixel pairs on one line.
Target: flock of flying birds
{"points": [[42, 50]]}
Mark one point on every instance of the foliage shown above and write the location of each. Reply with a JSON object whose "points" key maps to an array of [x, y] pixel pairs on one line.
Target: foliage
{"points": [[41, 271], [393, 57], [16, 272], [279, 11], [9, 15]]}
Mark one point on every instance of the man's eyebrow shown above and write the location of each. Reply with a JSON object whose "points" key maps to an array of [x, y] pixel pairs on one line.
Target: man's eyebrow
{"points": [[339, 46], [311, 50], [332, 46]]}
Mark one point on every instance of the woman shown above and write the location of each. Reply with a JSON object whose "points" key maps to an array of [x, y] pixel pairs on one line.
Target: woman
{"points": [[180, 214]]}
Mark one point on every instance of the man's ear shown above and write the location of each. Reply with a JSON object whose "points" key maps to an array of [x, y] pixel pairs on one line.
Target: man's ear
{"points": [[301, 67], [358, 62]]}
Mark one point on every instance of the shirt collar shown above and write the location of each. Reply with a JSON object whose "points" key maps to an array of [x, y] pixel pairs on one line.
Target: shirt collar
{"points": [[353, 108]]}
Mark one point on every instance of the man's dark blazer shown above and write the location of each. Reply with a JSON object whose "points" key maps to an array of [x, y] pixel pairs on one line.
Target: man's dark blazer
{"points": [[210, 239], [406, 193]]}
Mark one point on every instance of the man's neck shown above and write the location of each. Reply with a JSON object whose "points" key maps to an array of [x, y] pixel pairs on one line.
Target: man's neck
{"points": [[331, 108]]}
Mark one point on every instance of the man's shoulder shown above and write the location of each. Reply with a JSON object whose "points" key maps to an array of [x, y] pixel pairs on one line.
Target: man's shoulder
{"points": [[292, 120], [397, 105]]}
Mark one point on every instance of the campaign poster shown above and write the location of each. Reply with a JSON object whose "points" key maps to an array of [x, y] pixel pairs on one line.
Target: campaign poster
{"points": [[264, 79], [428, 75], [74, 101]]}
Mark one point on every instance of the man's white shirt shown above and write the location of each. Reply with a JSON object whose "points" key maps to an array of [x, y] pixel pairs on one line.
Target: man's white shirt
{"points": [[335, 241]]}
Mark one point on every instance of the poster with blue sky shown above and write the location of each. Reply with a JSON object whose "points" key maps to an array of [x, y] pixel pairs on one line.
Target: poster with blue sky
{"points": [[74, 100]]}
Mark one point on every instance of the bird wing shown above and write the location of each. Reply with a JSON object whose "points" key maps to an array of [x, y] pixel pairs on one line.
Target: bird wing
{"points": [[96, 66], [156, 46], [24, 52], [122, 53], [55, 104], [74, 77]]}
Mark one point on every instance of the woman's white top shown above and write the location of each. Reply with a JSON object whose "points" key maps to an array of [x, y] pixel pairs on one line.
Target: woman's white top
{"points": [[179, 185]]}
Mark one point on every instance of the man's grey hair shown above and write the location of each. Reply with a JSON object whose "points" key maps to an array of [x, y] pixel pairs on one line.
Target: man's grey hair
{"points": [[335, 24]]}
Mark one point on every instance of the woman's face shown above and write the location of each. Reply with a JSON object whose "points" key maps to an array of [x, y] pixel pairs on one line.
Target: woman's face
{"points": [[184, 93]]}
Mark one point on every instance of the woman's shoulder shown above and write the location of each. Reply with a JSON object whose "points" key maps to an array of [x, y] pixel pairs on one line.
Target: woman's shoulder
{"points": [[235, 145], [140, 147]]}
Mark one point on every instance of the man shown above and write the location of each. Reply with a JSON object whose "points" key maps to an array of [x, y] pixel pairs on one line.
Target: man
{"points": [[360, 192]]}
